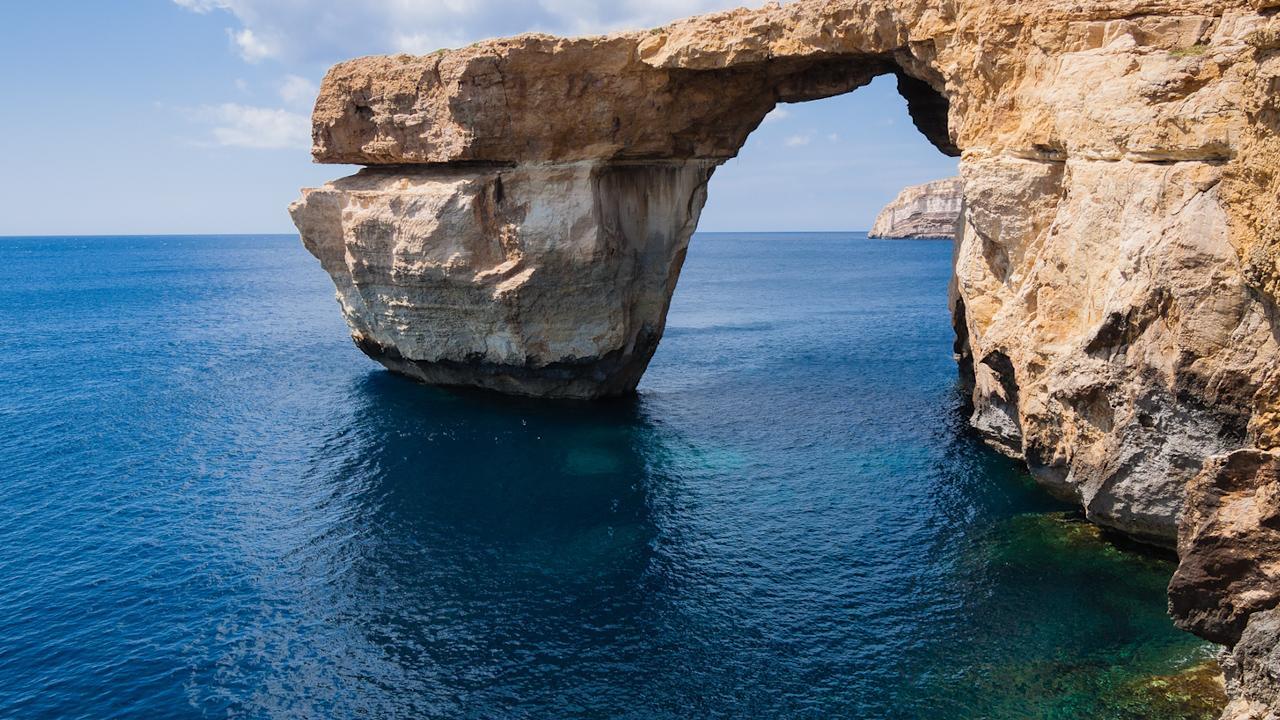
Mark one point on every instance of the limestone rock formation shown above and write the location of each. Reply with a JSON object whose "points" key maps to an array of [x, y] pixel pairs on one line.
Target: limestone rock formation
{"points": [[1117, 272], [931, 210], [1252, 670], [546, 280], [1229, 546], [1227, 586]]}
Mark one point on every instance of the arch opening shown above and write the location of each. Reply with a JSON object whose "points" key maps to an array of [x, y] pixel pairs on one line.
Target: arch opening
{"points": [[831, 161]]}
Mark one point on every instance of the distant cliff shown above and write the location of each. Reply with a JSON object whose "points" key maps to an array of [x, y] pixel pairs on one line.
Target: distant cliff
{"points": [[922, 211]]}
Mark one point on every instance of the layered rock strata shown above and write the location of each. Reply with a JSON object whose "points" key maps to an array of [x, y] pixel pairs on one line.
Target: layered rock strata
{"points": [[547, 280], [930, 210], [1117, 264]]}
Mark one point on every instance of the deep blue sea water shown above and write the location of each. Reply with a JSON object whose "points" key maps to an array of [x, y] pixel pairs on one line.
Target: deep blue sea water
{"points": [[212, 505]]}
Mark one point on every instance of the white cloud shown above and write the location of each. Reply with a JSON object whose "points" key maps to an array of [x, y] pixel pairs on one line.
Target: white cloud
{"points": [[799, 140], [423, 42], [332, 30], [200, 6], [296, 90], [833, 137], [245, 126], [254, 47], [778, 114]]}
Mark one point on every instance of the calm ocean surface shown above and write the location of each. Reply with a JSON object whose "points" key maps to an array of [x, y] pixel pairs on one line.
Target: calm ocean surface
{"points": [[212, 505]]}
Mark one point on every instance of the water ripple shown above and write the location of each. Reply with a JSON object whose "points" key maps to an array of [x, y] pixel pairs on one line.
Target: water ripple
{"points": [[215, 507]]}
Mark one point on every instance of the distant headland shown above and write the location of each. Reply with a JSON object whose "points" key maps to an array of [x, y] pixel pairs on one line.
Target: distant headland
{"points": [[930, 210]]}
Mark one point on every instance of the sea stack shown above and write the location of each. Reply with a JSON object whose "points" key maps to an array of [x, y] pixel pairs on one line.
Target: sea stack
{"points": [[528, 203], [930, 210]]}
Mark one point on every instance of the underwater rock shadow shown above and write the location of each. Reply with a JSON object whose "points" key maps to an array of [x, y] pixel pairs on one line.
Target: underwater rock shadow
{"points": [[467, 478]]}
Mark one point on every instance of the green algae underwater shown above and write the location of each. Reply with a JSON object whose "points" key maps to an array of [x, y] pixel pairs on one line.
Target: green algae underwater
{"points": [[215, 506]]}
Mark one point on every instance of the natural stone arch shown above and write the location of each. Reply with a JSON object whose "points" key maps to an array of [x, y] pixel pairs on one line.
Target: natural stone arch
{"points": [[547, 244], [537, 98], [524, 224], [1117, 271]]}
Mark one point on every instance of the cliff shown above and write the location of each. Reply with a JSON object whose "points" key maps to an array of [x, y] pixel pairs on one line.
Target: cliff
{"points": [[1117, 265], [931, 210]]}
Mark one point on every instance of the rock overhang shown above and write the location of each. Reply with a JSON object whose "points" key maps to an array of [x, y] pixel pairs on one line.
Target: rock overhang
{"points": [[381, 111]]}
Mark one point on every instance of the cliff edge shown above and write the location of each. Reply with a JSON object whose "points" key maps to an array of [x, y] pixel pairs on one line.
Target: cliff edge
{"points": [[930, 210]]}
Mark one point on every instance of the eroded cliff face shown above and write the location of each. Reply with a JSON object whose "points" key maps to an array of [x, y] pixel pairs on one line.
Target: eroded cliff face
{"points": [[1227, 586], [931, 210], [544, 280], [1117, 265]]}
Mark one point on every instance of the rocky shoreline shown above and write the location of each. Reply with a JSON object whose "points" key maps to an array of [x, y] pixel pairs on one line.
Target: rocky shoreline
{"points": [[1116, 292]]}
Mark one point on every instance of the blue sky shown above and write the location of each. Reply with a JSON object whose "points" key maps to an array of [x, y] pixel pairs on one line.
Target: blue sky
{"points": [[189, 116]]}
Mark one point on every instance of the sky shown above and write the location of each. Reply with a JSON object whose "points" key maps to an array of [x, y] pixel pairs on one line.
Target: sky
{"points": [[191, 116]]}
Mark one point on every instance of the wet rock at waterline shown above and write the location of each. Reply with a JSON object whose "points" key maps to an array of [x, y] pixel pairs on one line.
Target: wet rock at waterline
{"points": [[1252, 670]]}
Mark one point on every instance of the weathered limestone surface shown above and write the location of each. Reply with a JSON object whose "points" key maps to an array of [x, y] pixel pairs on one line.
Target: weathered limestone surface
{"points": [[1117, 265], [931, 210], [1229, 545], [1252, 670], [1227, 587], [548, 280]]}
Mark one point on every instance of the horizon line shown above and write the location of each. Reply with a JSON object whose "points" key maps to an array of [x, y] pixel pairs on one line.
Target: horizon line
{"points": [[295, 234]]}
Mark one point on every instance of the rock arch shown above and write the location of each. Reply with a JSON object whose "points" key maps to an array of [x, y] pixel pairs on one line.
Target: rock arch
{"points": [[527, 204]]}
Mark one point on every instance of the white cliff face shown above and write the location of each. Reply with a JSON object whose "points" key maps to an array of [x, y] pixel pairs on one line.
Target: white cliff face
{"points": [[931, 210], [550, 280]]}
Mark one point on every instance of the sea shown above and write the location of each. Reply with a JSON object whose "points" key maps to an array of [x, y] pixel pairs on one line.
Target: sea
{"points": [[213, 506]]}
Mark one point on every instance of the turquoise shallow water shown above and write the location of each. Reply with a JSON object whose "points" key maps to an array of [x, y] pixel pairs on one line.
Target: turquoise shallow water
{"points": [[214, 506]]}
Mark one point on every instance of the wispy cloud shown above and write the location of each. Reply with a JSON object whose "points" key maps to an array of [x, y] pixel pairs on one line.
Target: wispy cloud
{"points": [[200, 6], [329, 30], [422, 43], [807, 137], [296, 90], [245, 126], [778, 114], [253, 46]]}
